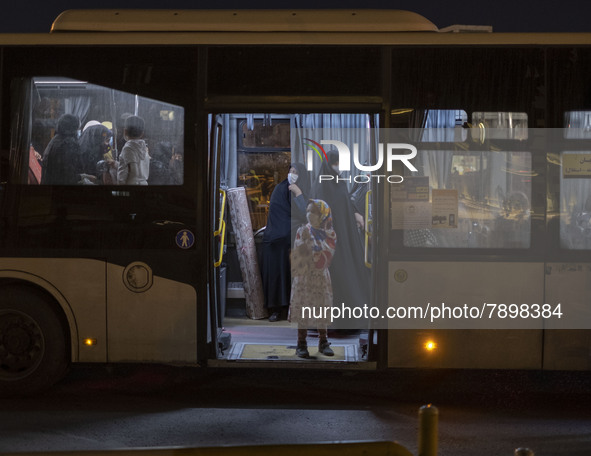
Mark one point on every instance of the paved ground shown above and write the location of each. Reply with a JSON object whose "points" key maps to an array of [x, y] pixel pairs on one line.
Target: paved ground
{"points": [[484, 413]]}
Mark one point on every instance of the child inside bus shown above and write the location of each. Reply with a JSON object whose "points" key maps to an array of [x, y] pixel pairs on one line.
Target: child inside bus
{"points": [[134, 161], [311, 290]]}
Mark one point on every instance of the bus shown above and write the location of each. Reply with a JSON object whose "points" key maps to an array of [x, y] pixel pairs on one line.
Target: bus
{"points": [[483, 200]]}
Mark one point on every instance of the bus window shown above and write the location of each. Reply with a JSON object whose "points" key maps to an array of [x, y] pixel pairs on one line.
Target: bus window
{"points": [[575, 200], [463, 199], [445, 125], [73, 134], [263, 155], [504, 125], [577, 124], [259, 148]]}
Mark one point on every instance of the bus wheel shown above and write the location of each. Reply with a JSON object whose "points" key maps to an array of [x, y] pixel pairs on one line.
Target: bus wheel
{"points": [[32, 343]]}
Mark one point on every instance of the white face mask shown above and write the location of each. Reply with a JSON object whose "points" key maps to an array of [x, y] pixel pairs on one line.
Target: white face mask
{"points": [[292, 178]]}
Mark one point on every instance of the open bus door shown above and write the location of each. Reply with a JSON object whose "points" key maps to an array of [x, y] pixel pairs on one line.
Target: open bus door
{"points": [[240, 329], [217, 293]]}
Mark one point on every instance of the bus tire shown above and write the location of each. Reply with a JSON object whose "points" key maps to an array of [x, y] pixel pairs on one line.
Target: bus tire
{"points": [[33, 342]]}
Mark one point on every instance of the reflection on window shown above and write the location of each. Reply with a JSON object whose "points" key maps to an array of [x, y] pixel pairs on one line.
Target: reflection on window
{"points": [[263, 156], [445, 125], [463, 199], [257, 150], [84, 134], [575, 200], [502, 125], [264, 135], [577, 124]]}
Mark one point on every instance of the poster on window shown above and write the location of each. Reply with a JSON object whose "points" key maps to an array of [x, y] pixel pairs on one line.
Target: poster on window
{"points": [[444, 209], [576, 165], [411, 208]]}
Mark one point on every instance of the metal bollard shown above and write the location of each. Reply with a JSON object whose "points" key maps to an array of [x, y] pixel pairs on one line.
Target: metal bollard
{"points": [[523, 452], [428, 421]]}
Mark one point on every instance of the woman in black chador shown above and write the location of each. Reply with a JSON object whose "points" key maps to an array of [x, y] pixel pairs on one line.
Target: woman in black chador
{"points": [[61, 159], [94, 144], [282, 224], [350, 278]]}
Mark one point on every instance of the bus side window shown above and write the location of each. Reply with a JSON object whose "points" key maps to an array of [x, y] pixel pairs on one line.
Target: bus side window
{"points": [[475, 200], [49, 149], [575, 201]]}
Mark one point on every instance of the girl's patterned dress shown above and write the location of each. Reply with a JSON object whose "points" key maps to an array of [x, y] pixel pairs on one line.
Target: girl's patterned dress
{"points": [[311, 286]]}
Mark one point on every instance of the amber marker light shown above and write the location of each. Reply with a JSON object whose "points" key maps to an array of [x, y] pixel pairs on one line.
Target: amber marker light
{"points": [[89, 342], [430, 345]]}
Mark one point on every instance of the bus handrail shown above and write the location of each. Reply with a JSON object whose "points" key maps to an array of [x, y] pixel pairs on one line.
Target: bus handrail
{"points": [[222, 243], [221, 231], [367, 233], [222, 211]]}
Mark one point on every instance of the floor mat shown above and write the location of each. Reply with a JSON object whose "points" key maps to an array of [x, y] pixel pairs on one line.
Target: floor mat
{"points": [[270, 352]]}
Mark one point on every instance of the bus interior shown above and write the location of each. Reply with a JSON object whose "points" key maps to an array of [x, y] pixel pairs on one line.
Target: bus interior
{"points": [[256, 151]]}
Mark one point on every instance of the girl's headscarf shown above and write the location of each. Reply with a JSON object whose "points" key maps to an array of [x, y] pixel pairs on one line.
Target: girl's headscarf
{"points": [[323, 236]]}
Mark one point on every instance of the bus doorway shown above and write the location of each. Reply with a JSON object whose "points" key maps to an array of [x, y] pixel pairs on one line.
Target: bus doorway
{"points": [[254, 158]]}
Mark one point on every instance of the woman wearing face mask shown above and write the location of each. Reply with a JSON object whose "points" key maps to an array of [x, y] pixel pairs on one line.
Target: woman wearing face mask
{"points": [[287, 211], [94, 144], [350, 277]]}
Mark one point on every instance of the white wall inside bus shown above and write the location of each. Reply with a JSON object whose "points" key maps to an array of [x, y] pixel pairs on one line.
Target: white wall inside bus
{"points": [[101, 113]]}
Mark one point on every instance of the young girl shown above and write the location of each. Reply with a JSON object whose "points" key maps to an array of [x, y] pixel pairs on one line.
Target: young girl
{"points": [[134, 161], [311, 287]]}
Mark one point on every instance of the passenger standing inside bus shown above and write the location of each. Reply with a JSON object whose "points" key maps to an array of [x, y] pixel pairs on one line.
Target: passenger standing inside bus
{"points": [[283, 217], [299, 186], [176, 167], [134, 161], [160, 164], [94, 144], [350, 277], [61, 159], [311, 294], [119, 137]]}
